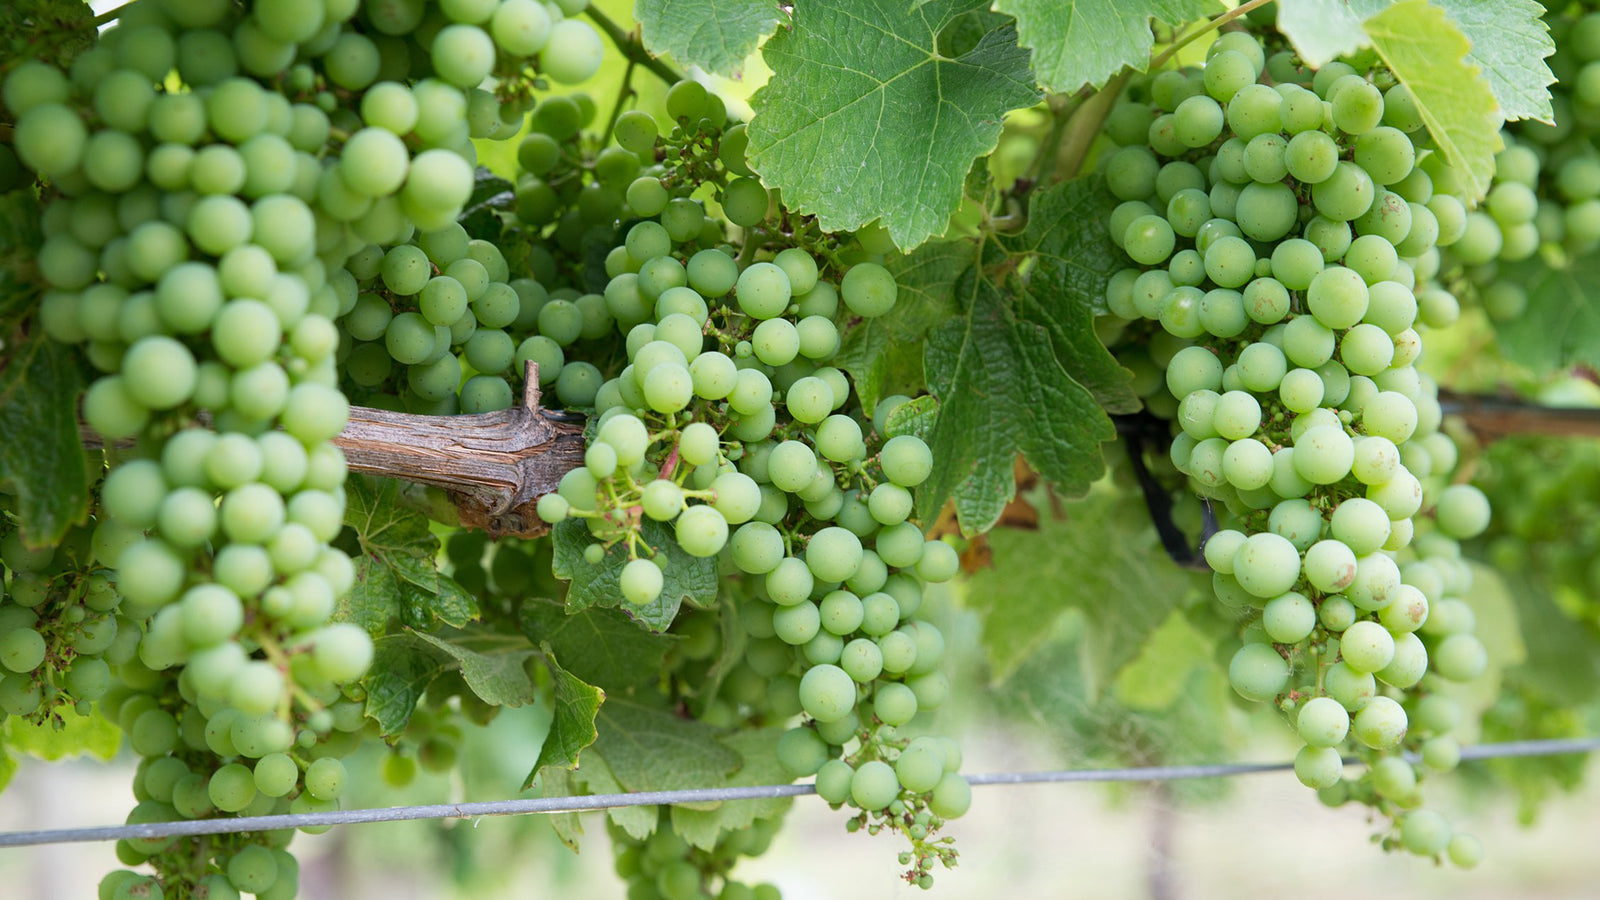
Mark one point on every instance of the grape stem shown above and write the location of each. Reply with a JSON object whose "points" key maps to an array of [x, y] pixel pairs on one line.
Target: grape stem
{"points": [[110, 15], [1212, 25], [1083, 124], [632, 47], [623, 94]]}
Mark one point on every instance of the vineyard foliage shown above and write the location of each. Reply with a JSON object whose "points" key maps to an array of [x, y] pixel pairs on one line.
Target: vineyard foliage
{"points": [[1135, 330]]}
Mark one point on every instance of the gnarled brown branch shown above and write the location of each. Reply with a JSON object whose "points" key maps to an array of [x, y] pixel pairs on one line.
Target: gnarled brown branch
{"points": [[495, 466]]}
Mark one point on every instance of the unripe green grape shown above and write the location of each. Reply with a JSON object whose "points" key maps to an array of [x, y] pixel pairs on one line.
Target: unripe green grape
{"points": [[874, 785], [1266, 565], [1318, 767], [1381, 725], [1322, 722], [1257, 672], [868, 290], [701, 531], [827, 693], [763, 291]]}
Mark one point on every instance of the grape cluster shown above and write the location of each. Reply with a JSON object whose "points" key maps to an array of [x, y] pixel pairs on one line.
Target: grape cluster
{"points": [[60, 632], [200, 244], [1278, 232], [1544, 205], [665, 867], [726, 423]]}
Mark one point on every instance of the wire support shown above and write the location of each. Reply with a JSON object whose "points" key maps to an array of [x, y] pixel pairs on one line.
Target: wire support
{"points": [[552, 805]]}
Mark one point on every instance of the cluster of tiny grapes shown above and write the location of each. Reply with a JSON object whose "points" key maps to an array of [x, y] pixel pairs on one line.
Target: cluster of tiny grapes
{"points": [[726, 424], [1544, 205], [221, 178], [665, 866], [60, 632], [1277, 233]]}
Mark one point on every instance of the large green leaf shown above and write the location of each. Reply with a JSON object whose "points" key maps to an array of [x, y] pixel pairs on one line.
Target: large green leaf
{"points": [[600, 646], [397, 571], [20, 237], [53, 31], [650, 749], [1102, 559], [758, 752], [1428, 54], [1561, 325], [716, 35], [1053, 692], [572, 728], [689, 579], [884, 355], [41, 453], [402, 668], [1509, 39], [74, 735], [1066, 286], [491, 663], [1002, 392], [864, 119], [1078, 42]]}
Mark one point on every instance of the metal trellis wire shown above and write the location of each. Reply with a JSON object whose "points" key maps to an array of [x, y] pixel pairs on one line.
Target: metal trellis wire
{"points": [[548, 805]]}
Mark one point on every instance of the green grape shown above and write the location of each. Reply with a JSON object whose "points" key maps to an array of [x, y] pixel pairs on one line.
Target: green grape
{"points": [[744, 202], [701, 531], [1381, 724], [1257, 672], [827, 693], [874, 785], [868, 290]]}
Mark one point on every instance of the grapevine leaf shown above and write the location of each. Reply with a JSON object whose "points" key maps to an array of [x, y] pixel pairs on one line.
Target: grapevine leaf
{"points": [[1002, 392], [1154, 678], [1052, 691], [8, 767], [864, 119], [1102, 559], [1428, 54], [1561, 666], [1075, 257], [397, 572], [41, 456], [600, 646], [20, 237], [638, 821], [915, 417], [1323, 30], [716, 35], [1510, 42], [559, 782], [490, 663], [689, 579], [52, 31], [75, 735], [403, 666], [1509, 38], [650, 749], [884, 355], [572, 729], [1561, 325], [491, 195], [1080, 42], [758, 748]]}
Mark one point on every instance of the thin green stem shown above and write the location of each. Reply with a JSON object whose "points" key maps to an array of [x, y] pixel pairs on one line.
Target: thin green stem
{"points": [[1212, 25], [622, 97], [1085, 125], [110, 15], [1062, 110], [633, 48]]}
